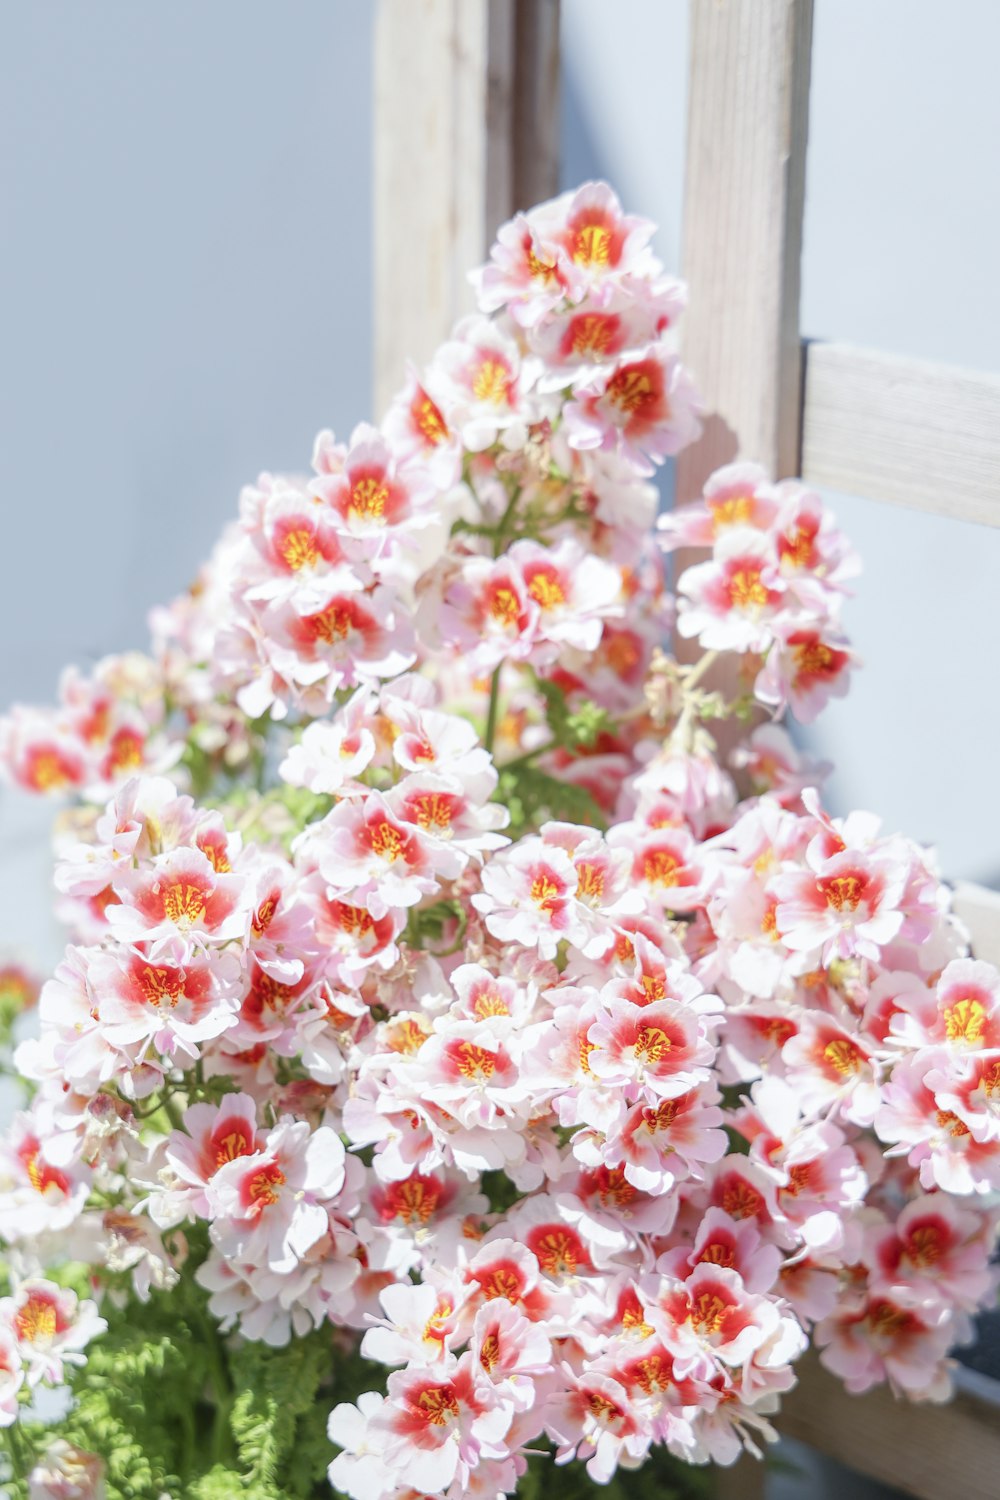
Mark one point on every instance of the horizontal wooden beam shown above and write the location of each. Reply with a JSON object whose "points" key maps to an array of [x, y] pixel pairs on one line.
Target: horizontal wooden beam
{"points": [[902, 430], [931, 1452]]}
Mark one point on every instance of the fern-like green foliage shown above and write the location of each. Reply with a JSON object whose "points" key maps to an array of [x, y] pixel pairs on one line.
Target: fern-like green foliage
{"points": [[533, 795], [175, 1409]]}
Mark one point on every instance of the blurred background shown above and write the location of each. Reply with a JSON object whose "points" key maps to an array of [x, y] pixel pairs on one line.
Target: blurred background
{"points": [[185, 251]]}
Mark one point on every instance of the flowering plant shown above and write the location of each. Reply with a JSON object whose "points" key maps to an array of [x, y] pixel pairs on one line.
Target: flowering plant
{"points": [[441, 1001]]}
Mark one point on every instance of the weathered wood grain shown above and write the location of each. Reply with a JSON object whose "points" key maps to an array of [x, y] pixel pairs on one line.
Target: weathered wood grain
{"points": [[748, 115], [931, 1452], [466, 130], [903, 430]]}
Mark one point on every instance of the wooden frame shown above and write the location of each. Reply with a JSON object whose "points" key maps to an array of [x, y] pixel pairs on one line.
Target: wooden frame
{"points": [[467, 131], [467, 112]]}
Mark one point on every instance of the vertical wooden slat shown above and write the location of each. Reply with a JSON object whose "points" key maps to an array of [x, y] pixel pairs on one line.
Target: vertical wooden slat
{"points": [[466, 130], [744, 193]]}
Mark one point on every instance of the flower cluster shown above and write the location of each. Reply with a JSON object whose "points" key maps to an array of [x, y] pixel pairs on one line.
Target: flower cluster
{"points": [[438, 987]]}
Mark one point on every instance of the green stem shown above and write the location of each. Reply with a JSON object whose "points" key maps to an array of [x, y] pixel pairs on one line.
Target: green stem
{"points": [[527, 758], [223, 1448], [697, 672], [505, 520], [493, 711]]}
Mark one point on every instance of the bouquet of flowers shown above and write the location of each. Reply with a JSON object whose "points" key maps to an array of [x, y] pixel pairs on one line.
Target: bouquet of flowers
{"points": [[459, 1063]]}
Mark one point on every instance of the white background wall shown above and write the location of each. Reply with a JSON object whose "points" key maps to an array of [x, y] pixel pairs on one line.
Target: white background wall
{"points": [[184, 264]]}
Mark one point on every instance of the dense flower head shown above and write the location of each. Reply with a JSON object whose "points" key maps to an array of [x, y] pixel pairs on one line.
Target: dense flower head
{"points": [[435, 985]]}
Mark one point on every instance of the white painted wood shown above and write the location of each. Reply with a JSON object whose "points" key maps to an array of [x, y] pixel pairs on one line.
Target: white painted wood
{"points": [[466, 130], [748, 114], [979, 908], [903, 430]]}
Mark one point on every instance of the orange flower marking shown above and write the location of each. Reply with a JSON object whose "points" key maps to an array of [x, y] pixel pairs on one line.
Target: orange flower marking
{"points": [[652, 1044], [654, 987], [708, 1313], [844, 1056], [41, 1176], [183, 902], [662, 1117], [406, 1037], [491, 382], [489, 1003], [434, 812], [354, 919], [610, 1186], [545, 893], [652, 1374], [386, 842], [716, 1253], [299, 549], [217, 856], [631, 391], [126, 750], [814, 658], [593, 333], [474, 1062], [539, 269], [990, 1080], [659, 867], [546, 590], [95, 730], [489, 1352], [263, 1187], [799, 1178], [502, 1282], [269, 992], [158, 984], [736, 510], [740, 1200], [888, 1320], [949, 1121], [232, 1145], [621, 653], [591, 245], [634, 1319], [965, 1020], [430, 423], [603, 1409], [745, 589], [331, 624], [586, 1048], [796, 548], [437, 1404], [369, 497], [48, 771], [504, 605], [842, 892], [36, 1321], [434, 1329], [557, 1252], [925, 1244], [769, 924], [414, 1200], [590, 881], [264, 915]]}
